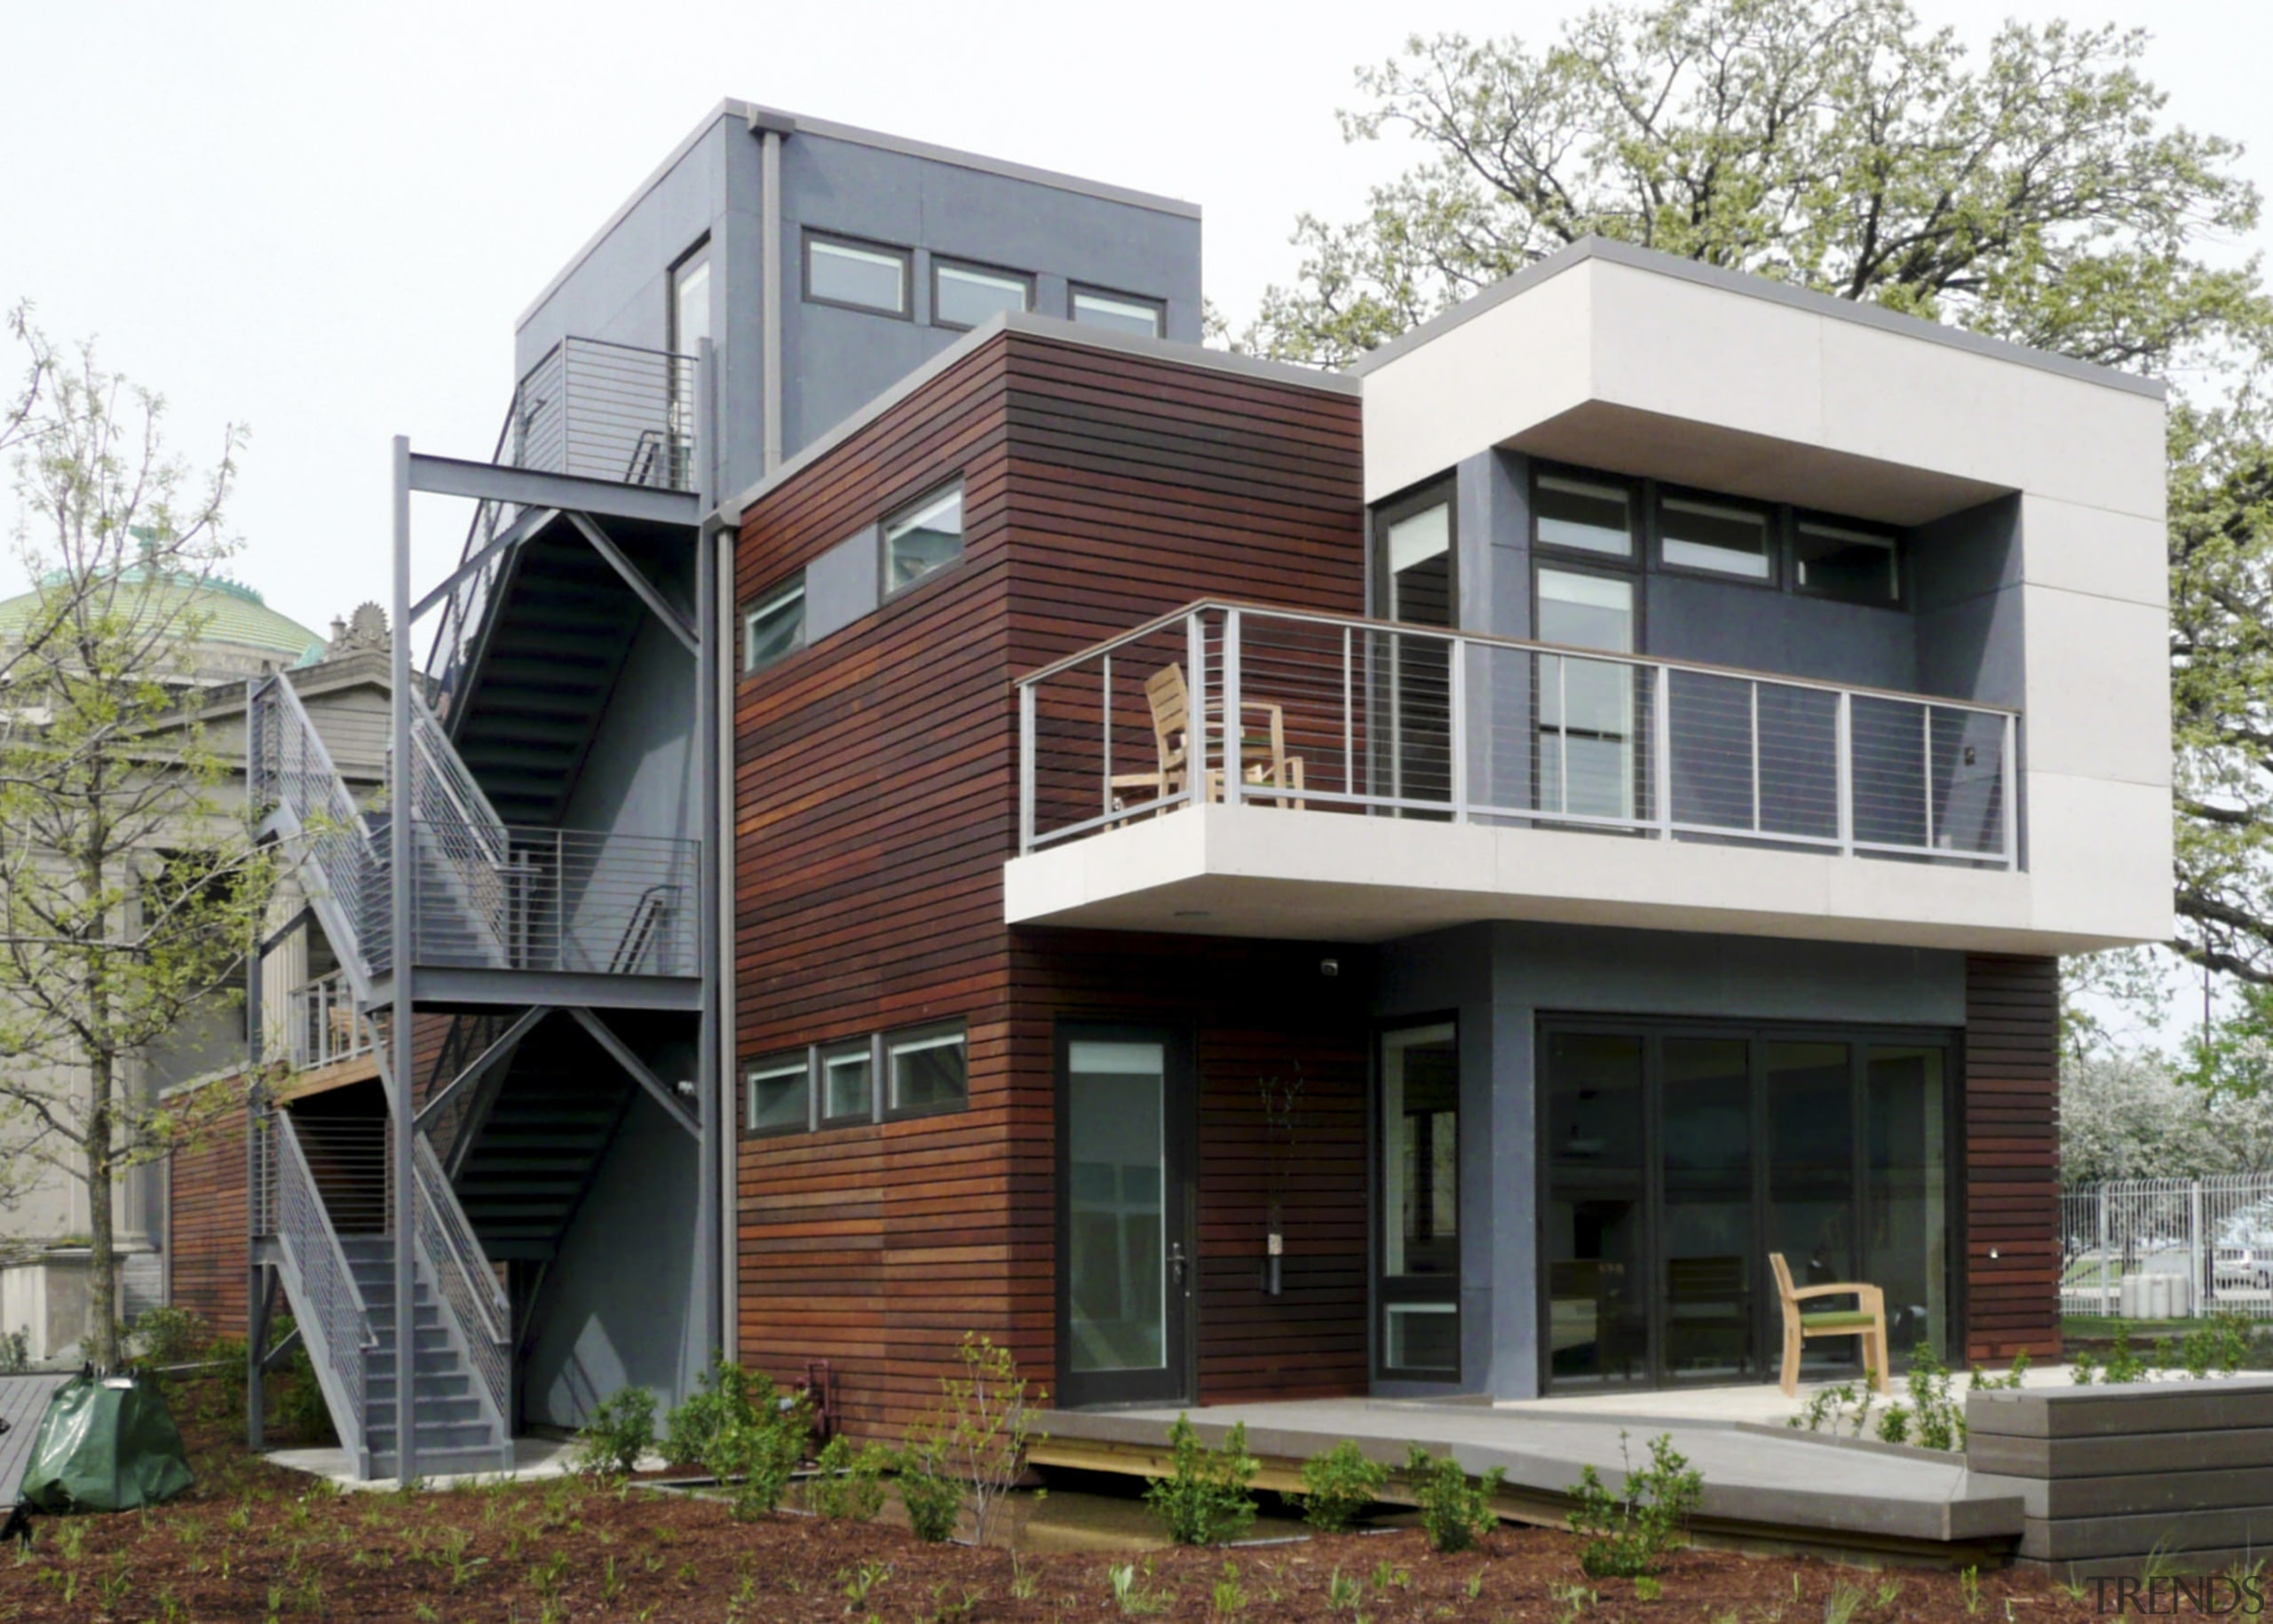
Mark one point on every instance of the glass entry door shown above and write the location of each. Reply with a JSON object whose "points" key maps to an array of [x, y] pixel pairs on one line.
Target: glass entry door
{"points": [[1675, 1159], [1587, 718], [1125, 1273], [1413, 672]]}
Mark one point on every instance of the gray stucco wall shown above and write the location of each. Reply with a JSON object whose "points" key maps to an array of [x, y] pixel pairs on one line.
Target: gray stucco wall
{"points": [[616, 1309], [1499, 979], [638, 777], [834, 360]]}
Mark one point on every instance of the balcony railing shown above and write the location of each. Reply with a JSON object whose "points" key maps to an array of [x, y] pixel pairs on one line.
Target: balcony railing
{"points": [[589, 407], [606, 411], [1339, 715], [324, 1028]]}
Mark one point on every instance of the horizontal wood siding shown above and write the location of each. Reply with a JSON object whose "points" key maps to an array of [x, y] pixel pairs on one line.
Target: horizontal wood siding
{"points": [[2012, 1157], [207, 1254], [875, 802]]}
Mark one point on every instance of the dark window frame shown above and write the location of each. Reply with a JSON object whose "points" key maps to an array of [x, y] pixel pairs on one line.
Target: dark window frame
{"points": [[886, 593], [887, 1082], [1637, 518], [699, 250], [950, 262], [906, 255], [1860, 1037], [759, 600], [1159, 306], [1443, 489], [1775, 544], [838, 1049], [1378, 1292], [778, 1062], [1895, 535]]}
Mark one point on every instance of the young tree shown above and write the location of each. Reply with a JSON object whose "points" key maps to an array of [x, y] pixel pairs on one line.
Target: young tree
{"points": [[2035, 192], [127, 890]]}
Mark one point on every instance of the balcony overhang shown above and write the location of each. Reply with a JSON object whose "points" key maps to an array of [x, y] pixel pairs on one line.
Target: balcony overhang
{"points": [[1267, 872]]}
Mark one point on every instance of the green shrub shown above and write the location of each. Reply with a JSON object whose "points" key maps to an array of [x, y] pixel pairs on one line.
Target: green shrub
{"points": [[931, 1495], [621, 1429], [169, 1336], [757, 1456], [1339, 1484], [1455, 1509], [850, 1487], [1204, 1499], [978, 1433], [726, 1394], [1626, 1536]]}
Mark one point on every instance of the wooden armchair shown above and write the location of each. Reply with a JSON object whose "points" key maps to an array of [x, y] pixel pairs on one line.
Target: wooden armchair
{"points": [[1171, 706], [1866, 1319]]}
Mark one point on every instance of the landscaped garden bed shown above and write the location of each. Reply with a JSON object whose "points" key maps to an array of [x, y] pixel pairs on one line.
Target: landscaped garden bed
{"points": [[252, 1541]]}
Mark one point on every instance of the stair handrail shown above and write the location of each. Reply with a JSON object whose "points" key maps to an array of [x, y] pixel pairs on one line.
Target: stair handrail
{"points": [[465, 1283], [328, 1306], [460, 790], [294, 770]]}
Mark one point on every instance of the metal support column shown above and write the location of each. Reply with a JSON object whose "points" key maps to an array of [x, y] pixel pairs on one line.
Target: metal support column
{"points": [[400, 802], [256, 1273], [769, 254]]}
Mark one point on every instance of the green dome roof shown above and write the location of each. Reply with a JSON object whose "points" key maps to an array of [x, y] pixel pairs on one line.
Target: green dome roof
{"points": [[233, 614]]}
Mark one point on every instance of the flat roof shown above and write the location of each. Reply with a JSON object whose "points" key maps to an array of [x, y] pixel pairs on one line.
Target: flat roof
{"points": [[1062, 331], [757, 118], [1751, 286]]}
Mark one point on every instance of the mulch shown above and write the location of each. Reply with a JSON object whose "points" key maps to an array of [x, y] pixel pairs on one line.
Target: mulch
{"points": [[255, 1541]]}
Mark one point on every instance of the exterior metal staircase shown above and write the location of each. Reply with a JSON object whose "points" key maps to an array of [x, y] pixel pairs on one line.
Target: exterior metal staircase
{"points": [[524, 1175]]}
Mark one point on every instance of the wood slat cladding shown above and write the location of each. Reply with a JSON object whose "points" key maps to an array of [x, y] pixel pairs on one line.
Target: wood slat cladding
{"points": [[2012, 1156], [207, 1254], [875, 802]]}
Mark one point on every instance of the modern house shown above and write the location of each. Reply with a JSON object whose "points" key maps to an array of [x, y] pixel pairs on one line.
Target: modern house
{"points": [[936, 804]]}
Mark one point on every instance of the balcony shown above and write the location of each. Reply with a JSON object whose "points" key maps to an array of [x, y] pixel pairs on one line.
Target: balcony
{"points": [[1385, 778], [606, 411], [322, 1028]]}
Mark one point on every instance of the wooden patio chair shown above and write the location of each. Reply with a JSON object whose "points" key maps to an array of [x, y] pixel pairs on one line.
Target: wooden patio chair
{"points": [[1170, 700], [1866, 1319]]}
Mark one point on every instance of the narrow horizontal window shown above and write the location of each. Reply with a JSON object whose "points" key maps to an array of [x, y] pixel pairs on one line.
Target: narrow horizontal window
{"points": [[1120, 311], [927, 1070], [773, 628], [965, 295], [1856, 566], [863, 275], [1581, 513], [922, 537], [1712, 535], [847, 1083], [779, 1094]]}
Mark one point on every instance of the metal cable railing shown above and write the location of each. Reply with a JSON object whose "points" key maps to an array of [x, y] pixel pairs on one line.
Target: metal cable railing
{"points": [[1337, 714], [292, 768], [328, 1306], [566, 899], [466, 1284], [324, 1027]]}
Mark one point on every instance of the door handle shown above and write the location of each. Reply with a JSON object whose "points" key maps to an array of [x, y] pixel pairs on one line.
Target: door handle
{"points": [[1175, 1262]]}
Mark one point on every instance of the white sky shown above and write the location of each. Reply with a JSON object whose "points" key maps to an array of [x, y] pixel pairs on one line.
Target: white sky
{"points": [[322, 219]]}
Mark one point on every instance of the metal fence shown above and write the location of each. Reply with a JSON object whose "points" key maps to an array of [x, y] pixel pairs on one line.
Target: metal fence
{"points": [[607, 411], [2168, 1249], [324, 1028], [1353, 715]]}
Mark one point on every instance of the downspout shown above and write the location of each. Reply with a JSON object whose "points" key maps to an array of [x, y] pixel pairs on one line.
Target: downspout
{"points": [[728, 1072], [710, 1237], [769, 250]]}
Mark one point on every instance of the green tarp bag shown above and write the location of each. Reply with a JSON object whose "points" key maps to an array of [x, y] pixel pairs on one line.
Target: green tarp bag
{"points": [[106, 1444]]}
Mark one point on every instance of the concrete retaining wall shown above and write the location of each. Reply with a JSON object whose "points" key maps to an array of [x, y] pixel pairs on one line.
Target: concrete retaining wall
{"points": [[2108, 1474]]}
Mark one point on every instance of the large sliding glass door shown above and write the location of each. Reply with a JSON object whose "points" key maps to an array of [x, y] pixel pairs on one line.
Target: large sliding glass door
{"points": [[1676, 1157]]}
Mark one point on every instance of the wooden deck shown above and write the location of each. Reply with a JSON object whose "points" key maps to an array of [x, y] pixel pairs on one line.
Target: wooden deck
{"points": [[23, 1400], [1765, 1488]]}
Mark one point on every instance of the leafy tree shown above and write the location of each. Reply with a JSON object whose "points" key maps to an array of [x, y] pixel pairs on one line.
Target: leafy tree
{"points": [[2034, 191], [128, 892], [2134, 1116]]}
